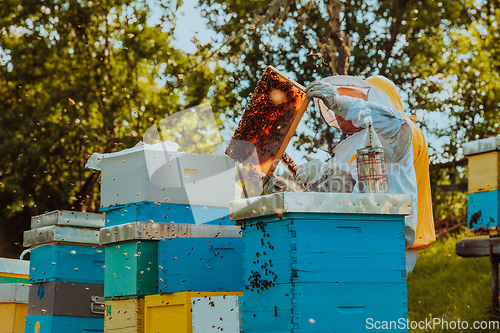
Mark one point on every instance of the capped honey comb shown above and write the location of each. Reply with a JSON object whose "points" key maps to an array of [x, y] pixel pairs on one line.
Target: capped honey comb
{"points": [[269, 122]]}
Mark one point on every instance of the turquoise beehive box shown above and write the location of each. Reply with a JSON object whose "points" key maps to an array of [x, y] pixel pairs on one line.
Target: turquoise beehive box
{"points": [[322, 262]]}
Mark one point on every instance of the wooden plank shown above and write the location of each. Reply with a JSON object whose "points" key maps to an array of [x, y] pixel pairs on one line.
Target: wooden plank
{"points": [[124, 316], [484, 172], [66, 324], [453, 164], [477, 247], [172, 312], [450, 188], [12, 316]]}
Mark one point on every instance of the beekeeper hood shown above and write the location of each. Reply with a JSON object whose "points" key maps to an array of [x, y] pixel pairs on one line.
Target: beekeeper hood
{"points": [[355, 87], [425, 234]]}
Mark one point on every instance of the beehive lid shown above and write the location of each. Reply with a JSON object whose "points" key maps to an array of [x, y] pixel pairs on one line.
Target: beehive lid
{"points": [[481, 146], [67, 218], [64, 234], [159, 231], [310, 202], [14, 266]]}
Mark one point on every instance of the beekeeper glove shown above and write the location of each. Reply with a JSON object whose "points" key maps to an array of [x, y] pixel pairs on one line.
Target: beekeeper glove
{"points": [[307, 171], [271, 184], [330, 97]]}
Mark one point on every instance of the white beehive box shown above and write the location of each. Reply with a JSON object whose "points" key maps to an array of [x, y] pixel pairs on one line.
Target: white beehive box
{"points": [[150, 173], [216, 314]]}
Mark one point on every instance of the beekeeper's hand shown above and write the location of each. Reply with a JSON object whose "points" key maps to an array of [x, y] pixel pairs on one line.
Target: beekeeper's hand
{"points": [[307, 171], [271, 184], [330, 97], [324, 91]]}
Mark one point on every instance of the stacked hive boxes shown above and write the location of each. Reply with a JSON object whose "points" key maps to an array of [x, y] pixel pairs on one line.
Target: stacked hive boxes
{"points": [[323, 262], [167, 237], [13, 296], [66, 273], [484, 184]]}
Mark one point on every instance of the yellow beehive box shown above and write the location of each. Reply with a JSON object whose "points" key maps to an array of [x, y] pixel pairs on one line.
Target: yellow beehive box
{"points": [[171, 313], [12, 317], [124, 315], [484, 172]]}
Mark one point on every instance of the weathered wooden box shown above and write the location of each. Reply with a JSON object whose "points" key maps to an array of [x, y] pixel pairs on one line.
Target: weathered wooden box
{"points": [[140, 174], [66, 324], [60, 298], [124, 315], [131, 268], [14, 270], [57, 233], [67, 262], [166, 212], [206, 264], [484, 164], [483, 210], [217, 314], [311, 259], [160, 231], [13, 307], [172, 313]]}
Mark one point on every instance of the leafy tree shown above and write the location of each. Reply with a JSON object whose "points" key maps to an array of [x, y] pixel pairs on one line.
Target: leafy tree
{"points": [[82, 76]]}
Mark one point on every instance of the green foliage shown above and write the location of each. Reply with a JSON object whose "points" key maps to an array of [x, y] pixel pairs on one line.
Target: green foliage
{"points": [[83, 76], [446, 286]]}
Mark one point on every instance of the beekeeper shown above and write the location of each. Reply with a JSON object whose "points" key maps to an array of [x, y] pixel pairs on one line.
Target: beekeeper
{"points": [[356, 103]]}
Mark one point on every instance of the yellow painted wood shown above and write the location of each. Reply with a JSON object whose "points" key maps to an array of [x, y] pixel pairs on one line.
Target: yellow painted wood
{"points": [[124, 316], [15, 275], [12, 317], [171, 313], [484, 172]]}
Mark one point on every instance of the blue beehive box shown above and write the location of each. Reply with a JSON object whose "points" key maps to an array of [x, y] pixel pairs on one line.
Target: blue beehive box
{"points": [[66, 324], [166, 212], [207, 264], [67, 262], [322, 262], [483, 210]]}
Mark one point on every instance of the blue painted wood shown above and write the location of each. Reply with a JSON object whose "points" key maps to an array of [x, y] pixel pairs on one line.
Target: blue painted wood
{"points": [[208, 264], [336, 271], [325, 307], [131, 269], [269, 310], [67, 262], [66, 324], [291, 250], [483, 209], [166, 212]]}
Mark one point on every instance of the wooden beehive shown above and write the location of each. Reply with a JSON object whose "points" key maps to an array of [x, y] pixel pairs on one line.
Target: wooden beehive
{"points": [[269, 122]]}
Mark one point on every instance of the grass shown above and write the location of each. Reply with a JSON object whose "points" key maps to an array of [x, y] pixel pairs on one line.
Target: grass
{"points": [[446, 286]]}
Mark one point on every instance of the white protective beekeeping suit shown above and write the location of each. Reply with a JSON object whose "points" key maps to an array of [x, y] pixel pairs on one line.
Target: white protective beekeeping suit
{"points": [[395, 135]]}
